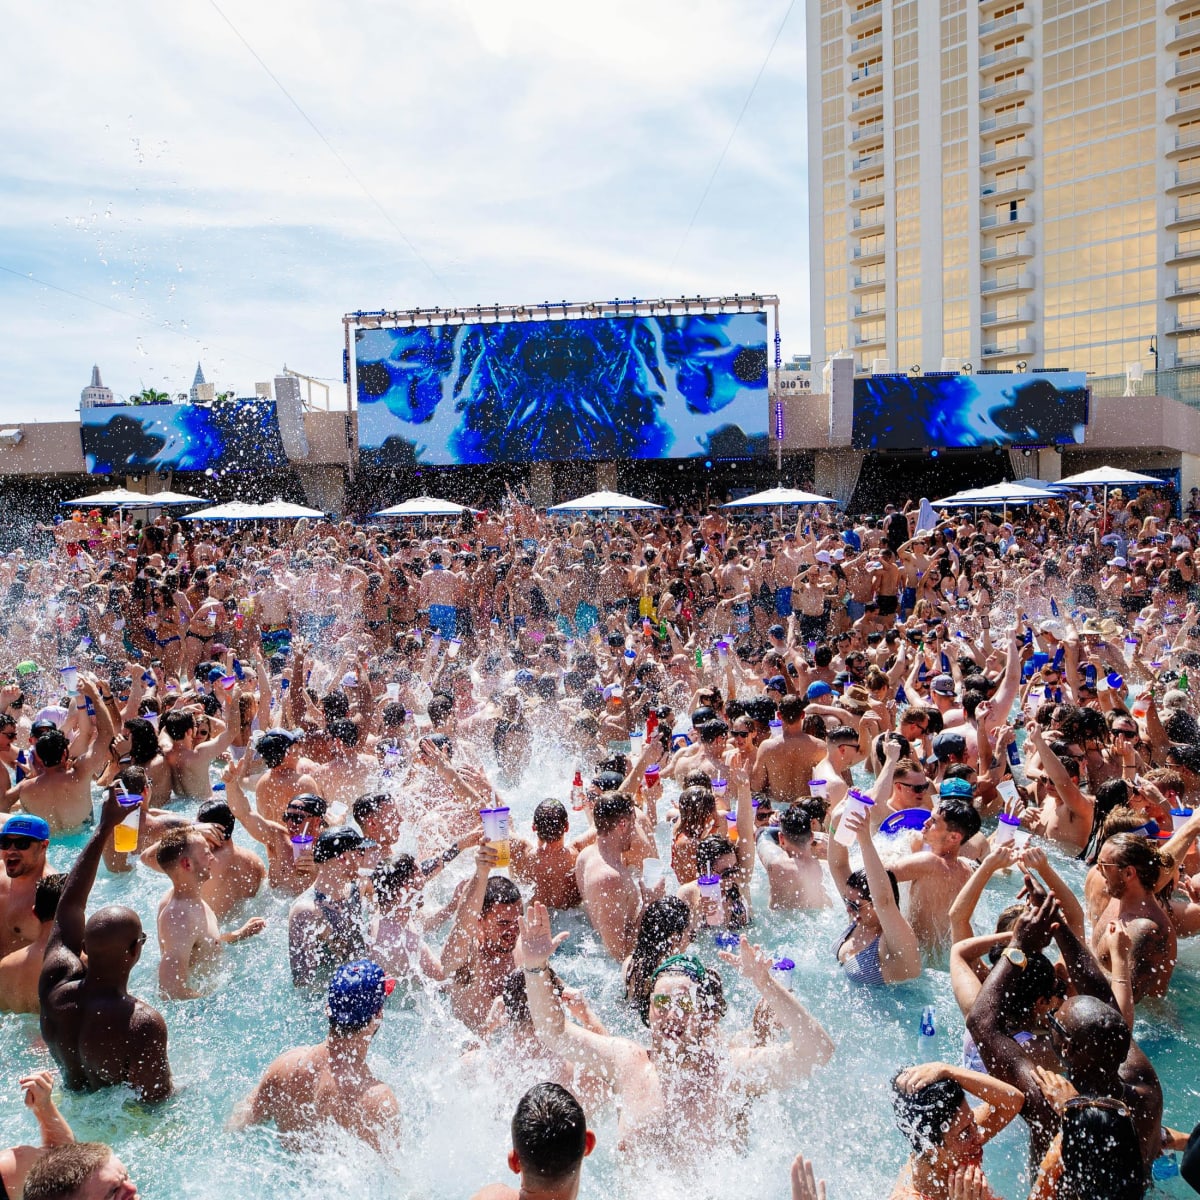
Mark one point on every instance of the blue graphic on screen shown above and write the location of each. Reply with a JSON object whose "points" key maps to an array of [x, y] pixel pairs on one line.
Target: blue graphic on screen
{"points": [[232, 435], [896, 412], [600, 388]]}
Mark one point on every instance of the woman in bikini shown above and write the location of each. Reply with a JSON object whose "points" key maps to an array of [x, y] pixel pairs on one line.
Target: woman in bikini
{"points": [[880, 946]]}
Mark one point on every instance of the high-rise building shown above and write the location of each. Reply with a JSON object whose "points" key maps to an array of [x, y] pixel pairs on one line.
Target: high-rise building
{"points": [[95, 395], [1005, 181]]}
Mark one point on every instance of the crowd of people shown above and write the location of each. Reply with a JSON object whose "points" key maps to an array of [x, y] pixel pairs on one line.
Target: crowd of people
{"points": [[756, 718]]}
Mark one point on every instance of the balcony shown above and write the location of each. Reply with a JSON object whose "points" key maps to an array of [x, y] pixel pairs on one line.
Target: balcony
{"points": [[1186, 70], [864, 106], [1020, 85], [869, 339], [1022, 282], [1018, 152], [1019, 316], [1008, 56], [866, 280], [1185, 33], [1174, 7], [863, 312], [1017, 118], [868, 221], [867, 133], [1006, 185], [1019, 347], [1184, 289], [1010, 251], [864, 47], [1182, 326], [864, 17], [1020, 217], [1180, 253], [1185, 180], [1185, 144], [1183, 217], [1184, 106], [867, 163], [866, 254], [867, 73], [1013, 20], [866, 193]]}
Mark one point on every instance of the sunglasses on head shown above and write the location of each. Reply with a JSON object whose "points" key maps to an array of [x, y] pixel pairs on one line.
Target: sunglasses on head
{"points": [[14, 841], [1109, 1103]]}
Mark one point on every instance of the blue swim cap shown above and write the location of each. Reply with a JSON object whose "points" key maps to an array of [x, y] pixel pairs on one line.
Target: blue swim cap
{"points": [[357, 992]]}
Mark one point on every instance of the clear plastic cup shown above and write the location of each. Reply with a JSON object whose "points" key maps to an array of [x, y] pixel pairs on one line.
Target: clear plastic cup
{"points": [[1006, 831], [776, 730], [719, 788], [731, 826], [393, 691], [819, 788], [652, 773], [125, 835], [637, 740], [856, 802], [453, 646], [495, 829], [302, 843], [70, 678], [1021, 837], [1139, 708], [652, 872], [710, 889]]}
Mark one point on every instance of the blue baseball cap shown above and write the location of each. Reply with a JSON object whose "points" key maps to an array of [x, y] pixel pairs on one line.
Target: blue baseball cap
{"points": [[959, 789], [777, 683], [852, 539], [357, 992], [26, 825], [524, 678], [818, 689]]}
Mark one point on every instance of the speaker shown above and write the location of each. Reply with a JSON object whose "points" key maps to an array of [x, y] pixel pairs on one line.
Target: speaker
{"points": [[291, 417]]}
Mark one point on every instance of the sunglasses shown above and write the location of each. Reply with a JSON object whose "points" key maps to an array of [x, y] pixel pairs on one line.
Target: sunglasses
{"points": [[683, 1001], [1108, 1103], [855, 906], [1056, 1025], [296, 818], [139, 941], [739, 733], [919, 788], [15, 842]]}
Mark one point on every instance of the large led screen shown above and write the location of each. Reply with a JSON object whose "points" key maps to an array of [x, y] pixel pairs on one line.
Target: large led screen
{"points": [[232, 435], [896, 412], [600, 388]]}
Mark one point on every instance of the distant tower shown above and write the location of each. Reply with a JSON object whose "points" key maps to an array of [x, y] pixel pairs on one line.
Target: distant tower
{"points": [[95, 394], [197, 383]]}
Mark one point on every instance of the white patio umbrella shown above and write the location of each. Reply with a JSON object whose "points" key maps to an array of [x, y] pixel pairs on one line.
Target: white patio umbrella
{"points": [[603, 502], [167, 500], [1003, 494], [239, 510], [424, 506], [113, 498], [1106, 477], [779, 496]]}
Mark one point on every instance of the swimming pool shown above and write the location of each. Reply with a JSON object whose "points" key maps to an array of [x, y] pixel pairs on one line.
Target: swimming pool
{"points": [[456, 1113]]}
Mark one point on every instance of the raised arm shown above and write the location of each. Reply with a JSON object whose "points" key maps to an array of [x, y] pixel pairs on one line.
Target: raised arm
{"points": [[901, 957], [962, 907], [71, 917]]}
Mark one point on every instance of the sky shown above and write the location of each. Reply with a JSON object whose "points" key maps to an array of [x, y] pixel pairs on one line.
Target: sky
{"points": [[222, 181]]}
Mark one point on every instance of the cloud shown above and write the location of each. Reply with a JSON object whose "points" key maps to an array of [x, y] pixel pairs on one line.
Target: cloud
{"points": [[527, 151]]}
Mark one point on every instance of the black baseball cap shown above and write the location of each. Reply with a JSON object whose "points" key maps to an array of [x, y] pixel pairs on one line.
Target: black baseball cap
{"points": [[334, 842]]}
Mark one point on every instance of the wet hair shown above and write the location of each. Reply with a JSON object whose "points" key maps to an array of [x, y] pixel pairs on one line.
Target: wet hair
{"points": [[710, 991], [610, 810], [791, 709], [440, 710], [796, 824], [549, 1133], [1101, 1153], [174, 845], [662, 923], [856, 881], [1146, 859], [390, 879], [709, 850], [143, 741], [960, 816], [218, 813], [1110, 795], [697, 805], [343, 730], [61, 1172], [134, 780], [335, 705], [709, 731], [500, 890], [550, 820], [392, 714], [178, 725], [925, 1116], [814, 725], [52, 748], [46, 895]]}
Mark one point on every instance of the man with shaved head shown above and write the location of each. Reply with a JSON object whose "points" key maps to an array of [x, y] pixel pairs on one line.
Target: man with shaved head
{"points": [[98, 1033]]}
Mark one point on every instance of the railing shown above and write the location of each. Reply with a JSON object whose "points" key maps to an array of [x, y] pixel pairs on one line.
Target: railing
{"points": [[1008, 54], [1022, 316], [1021, 214], [1001, 187], [1021, 150], [866, 131], [1019, 116], [1023, 249], [1020, 17], [1020, 282], [994, 91], [1019, 346]]}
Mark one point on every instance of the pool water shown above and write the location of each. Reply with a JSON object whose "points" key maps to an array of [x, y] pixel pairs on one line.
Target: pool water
{"points": [[456, 1112]]}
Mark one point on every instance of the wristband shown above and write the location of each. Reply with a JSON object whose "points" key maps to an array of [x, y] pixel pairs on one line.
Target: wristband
{"points": [[451, 853], [534, 970]]}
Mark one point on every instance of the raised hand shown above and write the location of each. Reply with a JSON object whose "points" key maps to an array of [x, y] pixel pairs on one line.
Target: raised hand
{"points": [[1057, 1089], [805, 1184], [535, 944], [37, 1088], [913, 1079], [968, 1183], [752, 961]]}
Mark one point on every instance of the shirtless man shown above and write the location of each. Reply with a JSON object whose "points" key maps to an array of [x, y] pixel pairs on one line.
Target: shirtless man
{"points": [[477, 955], [794, 878], [190, 759], [97, 1032], [1065, 814], [237, 874], [612, 896], [306, 1087], [61, 791], [273, 613], [549, 864], [189, 938], [1131, 869], [287, 774], [20, 970], [675, 1095], [842, 751], [938, 874], [707, 754], [24, 841], [783, 768], [886, 581], [347, 774], [439, 592]]}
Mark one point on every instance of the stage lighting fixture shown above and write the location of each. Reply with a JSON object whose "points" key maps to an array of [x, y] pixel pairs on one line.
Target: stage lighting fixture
{"points": [[915, 370], [967, 368], [1022, 365]]}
